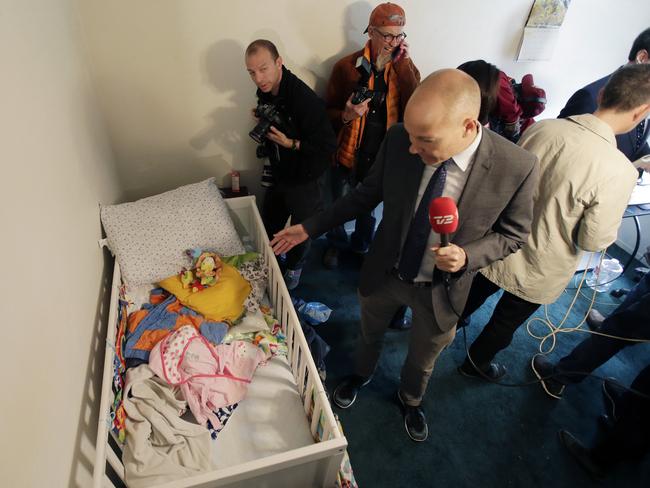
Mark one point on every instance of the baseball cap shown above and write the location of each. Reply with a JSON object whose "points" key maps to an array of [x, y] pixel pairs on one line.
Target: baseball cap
{"points": [[386, 14]]}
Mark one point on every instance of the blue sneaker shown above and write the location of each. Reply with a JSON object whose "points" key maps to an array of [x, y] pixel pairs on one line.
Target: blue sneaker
{"points": [[292, 278]]}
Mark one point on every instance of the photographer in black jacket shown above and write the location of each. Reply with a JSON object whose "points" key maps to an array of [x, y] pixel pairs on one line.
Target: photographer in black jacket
{"points": [[299, 141]]}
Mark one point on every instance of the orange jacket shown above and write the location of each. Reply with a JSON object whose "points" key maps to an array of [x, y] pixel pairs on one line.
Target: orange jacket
{"points": [[401, 79]]}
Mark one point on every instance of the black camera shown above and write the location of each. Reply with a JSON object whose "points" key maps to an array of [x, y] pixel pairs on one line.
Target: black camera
{"points": [[269, 115], [363, 93]]}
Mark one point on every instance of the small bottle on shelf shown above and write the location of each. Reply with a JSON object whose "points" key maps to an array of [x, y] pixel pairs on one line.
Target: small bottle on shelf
{"points": [[234, 181]]}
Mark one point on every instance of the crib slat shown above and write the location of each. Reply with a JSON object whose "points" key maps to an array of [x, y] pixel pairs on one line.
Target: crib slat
{"points": [[289, 332], [327, 432], [115, 463], [295, 361], [315, 418], [308, 397], [302, 371], [289, 336], [106, 482]]}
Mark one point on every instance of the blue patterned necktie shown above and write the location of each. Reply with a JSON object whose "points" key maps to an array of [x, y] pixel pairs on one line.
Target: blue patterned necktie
{"points": [[418, 234], [640, 130]]}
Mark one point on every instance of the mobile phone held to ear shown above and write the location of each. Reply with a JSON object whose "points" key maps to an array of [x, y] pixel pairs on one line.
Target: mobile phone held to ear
{"points": [[396, 55]]}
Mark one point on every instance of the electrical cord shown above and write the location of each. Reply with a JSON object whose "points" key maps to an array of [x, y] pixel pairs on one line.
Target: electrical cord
{"points": [[557, 329], [553, 334]]}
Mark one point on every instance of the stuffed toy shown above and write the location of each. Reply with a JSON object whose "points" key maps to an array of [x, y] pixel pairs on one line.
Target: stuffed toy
{"points": [[205, 270]]}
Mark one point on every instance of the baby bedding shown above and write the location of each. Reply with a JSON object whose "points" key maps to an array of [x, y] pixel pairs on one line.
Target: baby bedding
{"points": [[221, 302], [149, 237], [210, 377], [157, 319], [252, 267], [160, 445]]}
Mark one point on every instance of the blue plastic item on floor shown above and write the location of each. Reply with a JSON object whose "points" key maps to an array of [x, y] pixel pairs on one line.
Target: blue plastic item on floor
{"points": [[313, 313]]}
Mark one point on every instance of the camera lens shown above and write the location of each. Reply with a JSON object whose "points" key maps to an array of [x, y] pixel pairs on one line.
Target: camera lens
{"points": [[258, 134]]}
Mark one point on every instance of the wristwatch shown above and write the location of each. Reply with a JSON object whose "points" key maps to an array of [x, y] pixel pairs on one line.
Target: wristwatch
{"points": [[293, 145]]}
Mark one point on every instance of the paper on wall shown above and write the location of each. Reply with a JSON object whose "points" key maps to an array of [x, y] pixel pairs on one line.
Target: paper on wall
{"points": [[538, 43]]}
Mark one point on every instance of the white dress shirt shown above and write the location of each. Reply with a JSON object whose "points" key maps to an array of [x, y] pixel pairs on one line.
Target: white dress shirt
{"points": [[457, 173]]}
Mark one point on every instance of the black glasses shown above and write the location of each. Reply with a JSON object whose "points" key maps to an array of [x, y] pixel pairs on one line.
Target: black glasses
{"points": [[390, 37]]}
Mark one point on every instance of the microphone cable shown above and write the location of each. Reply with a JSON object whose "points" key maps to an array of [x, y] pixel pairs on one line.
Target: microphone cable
{"points": [[543, 378]]}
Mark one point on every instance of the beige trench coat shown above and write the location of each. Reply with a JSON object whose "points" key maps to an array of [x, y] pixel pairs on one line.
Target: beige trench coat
{"points": [[584, 186]]}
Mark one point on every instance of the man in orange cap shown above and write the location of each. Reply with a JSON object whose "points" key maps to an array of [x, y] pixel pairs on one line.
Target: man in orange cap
{"points": [[385, 68]]}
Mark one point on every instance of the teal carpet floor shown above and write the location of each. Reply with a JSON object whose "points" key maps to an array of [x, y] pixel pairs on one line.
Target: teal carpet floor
{"points": [[480, 434]]}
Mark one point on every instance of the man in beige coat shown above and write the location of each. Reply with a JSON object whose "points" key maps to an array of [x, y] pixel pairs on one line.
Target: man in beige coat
{"points": [[584, 187]]}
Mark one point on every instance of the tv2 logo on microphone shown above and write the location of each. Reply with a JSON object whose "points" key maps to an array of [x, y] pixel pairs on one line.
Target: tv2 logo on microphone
{"points": [[443, 219]]}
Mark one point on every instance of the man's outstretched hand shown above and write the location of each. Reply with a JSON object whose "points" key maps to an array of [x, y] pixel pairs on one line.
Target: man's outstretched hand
{"points": [[288, 238]]}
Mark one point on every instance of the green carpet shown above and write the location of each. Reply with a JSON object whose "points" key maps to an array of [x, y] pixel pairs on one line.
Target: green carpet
{"points": [[480, 435]]}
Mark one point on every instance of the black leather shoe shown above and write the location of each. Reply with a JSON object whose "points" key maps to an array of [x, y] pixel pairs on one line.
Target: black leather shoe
{"points": [[346, 391], [543, 368], [493, 372], [595, 319], [415, 421], [611, 395], [582, 455], [400, 320]]}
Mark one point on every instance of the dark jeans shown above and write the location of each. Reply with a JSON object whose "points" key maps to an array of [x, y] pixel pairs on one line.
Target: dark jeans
{"points": [[630, 435], [631, 319], [364, 227], [510, 312], [298, 201]]}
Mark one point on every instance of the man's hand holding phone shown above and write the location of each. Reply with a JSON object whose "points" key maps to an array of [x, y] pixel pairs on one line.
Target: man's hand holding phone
{"points": [[401, 51]]}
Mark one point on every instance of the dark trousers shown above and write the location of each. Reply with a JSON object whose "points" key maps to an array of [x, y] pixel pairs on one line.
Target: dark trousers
{"points": [[298, 202], [364, 226], [629, 438], [426, 340], [510, 312], [631, 319]]}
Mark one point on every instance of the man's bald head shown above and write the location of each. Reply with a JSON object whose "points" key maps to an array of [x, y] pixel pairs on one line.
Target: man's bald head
{"points": [[441, 116], [453, 93]]}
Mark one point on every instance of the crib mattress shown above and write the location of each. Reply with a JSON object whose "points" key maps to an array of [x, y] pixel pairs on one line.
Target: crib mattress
{"points": [[270, 420]]}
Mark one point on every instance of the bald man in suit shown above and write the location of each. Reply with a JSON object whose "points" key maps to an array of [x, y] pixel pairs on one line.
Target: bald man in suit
{"points": [[440, 150]]}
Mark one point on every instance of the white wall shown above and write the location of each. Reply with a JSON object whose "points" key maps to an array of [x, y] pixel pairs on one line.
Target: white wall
{"points": [[172, 83], [171, 80], [56, 167]]}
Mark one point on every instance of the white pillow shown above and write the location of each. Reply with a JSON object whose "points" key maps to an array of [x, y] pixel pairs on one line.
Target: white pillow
{"points": [[149, 237]]}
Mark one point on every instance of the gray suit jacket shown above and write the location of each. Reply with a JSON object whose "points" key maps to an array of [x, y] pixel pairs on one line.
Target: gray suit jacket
{"points": [[495, 211]]}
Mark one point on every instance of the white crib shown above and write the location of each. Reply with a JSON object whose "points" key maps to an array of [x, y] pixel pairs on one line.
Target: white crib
{"points": [[315, 465]]}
